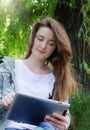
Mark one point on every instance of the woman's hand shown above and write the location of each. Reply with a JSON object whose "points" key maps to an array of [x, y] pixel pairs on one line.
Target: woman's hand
{"points": [[7, 100], [58, 120]]}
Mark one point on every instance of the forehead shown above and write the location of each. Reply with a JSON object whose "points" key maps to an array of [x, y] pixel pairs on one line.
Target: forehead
{"points": [[45, 32]]}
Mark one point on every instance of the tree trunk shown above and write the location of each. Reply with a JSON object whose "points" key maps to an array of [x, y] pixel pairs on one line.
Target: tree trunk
{"points": [[72, 20]]}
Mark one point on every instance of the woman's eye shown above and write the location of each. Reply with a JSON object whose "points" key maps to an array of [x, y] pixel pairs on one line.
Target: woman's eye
{"points": [[40, 38], [52, 43]]}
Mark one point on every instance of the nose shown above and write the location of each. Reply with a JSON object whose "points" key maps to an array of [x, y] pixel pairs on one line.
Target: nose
{"points": [[44, 44]]}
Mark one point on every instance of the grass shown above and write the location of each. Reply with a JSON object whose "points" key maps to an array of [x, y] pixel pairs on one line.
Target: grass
{"points": [[80, 111]]}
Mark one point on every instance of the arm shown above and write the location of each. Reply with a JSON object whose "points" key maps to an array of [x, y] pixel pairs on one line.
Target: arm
{"points": [[5, 87]]}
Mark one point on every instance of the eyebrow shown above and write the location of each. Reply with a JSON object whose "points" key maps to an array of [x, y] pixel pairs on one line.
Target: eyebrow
{"points": [[39, 35]]}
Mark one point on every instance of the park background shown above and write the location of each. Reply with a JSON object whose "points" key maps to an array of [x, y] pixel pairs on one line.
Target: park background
{"points": [[16, 19]]}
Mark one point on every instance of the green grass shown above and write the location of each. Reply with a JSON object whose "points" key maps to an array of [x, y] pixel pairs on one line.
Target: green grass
{"points": [[80, 111]]}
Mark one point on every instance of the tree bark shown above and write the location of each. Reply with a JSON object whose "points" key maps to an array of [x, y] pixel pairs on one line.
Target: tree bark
{"points": [[72, 20]]}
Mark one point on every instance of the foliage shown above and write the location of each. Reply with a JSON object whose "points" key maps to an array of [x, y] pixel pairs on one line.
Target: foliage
{"points": [[12, 37], [16, 21], [80, 111], [84, 33], [85, 30], [86, 67]]}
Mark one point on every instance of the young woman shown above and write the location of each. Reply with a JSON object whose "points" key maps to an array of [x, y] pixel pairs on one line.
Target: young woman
{"points": [[45, 72]]}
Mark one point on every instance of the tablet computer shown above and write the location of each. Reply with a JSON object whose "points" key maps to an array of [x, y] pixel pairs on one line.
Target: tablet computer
{"points": [[32, 109]]}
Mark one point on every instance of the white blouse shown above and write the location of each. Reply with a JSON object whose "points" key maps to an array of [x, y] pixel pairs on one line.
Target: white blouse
{"points": [[30, 83]]}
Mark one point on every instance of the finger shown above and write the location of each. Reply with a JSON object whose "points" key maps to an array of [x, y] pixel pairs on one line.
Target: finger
{"points": [[57, 123], [61, 120], [6, 101], [59, 117], [5, 104], [10, 96]]}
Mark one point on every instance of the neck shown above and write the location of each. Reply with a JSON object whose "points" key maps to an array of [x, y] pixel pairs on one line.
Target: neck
{"points": [[35, 65]]}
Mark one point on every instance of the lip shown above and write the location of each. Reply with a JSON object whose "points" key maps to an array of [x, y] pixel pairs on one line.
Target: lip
{"points": [[41, 51]]}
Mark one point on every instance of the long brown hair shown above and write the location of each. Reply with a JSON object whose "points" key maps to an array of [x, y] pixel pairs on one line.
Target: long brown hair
{"points": [[60, 58]]}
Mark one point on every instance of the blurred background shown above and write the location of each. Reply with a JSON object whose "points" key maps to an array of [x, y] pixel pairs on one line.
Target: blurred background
{"points": [[16, 20]]}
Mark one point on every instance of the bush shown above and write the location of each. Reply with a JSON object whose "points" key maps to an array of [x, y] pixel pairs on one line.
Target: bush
{"points": [[80, 111]]}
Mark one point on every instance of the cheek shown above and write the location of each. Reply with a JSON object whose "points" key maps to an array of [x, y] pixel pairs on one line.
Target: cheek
{"points": [[50, 51], [34, 44]]}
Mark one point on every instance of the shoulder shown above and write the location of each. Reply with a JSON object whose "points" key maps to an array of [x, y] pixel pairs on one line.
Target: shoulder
{"points": [[7, 63], [9, 60]]}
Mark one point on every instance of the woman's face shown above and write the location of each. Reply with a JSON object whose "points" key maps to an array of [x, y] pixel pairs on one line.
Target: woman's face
{"points": [[44, 43]]}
